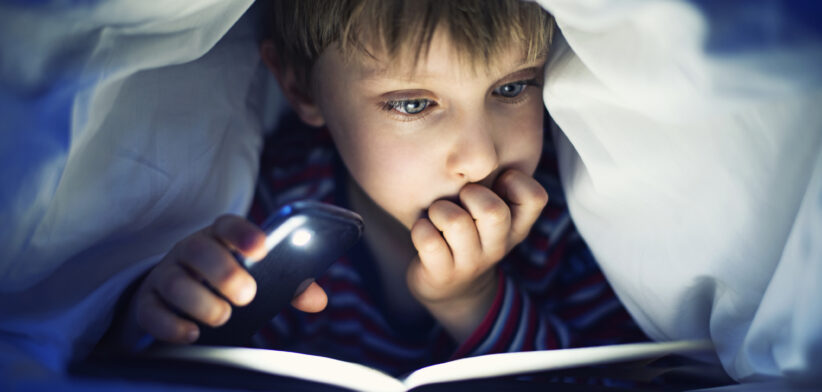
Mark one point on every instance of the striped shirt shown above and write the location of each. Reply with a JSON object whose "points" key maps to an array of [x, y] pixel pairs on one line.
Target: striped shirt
{"points": [[551, 292]]}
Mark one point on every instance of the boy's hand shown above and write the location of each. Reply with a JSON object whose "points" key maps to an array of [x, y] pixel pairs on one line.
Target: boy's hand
{"points": [[176, 288], [453, 275]]}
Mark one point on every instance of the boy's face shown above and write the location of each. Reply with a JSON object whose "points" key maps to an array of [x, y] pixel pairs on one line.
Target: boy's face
{"points": [[410, 136]]}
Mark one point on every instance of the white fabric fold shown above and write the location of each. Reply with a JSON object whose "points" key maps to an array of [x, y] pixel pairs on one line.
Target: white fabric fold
{"points": [[690, 148], [690, 152], [122, 132]]}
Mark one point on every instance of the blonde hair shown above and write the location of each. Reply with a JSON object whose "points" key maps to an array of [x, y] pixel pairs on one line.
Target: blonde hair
{"points": [[479, 30]]}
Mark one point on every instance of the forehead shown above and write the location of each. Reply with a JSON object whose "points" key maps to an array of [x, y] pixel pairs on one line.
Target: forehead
{"points": [[439, 59]]}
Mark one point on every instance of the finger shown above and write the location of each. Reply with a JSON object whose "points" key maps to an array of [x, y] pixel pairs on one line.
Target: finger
{"points": [[159, 321], [312, 300], [492, 218], [210, 260], [526, 198], [434, 253], [459, 230], [240, 235], [189, 296]]}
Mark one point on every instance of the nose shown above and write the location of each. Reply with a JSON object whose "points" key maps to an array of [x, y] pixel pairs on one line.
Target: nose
{"points": [[474, 155]]}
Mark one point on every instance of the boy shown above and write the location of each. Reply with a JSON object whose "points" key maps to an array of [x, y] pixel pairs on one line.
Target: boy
{"points": [[432, 130]]}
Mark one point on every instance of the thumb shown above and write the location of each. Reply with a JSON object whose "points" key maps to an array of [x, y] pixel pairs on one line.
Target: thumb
{"points": [[312, 300]]}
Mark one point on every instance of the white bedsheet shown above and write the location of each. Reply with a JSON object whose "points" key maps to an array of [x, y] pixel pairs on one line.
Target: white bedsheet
{"points": [[691, 156], [117, 138]]}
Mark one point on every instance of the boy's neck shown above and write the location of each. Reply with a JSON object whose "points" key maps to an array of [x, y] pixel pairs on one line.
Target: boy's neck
{"points": [[390, 244]]}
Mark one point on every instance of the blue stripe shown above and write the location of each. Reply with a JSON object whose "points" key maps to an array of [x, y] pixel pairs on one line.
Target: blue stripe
{"points": [[343, 272], [542, 333], [561, 331], [344, 300], [392, 349], [596, 314], [499, 325], [586, 294], [519, 338]]}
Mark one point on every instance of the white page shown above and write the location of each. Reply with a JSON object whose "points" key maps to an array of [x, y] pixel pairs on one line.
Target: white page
{"points": [[303, 366], [494, 365], [363, 378]]}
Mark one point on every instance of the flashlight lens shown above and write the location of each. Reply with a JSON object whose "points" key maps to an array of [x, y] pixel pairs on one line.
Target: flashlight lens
{"points": [[301, 237]]}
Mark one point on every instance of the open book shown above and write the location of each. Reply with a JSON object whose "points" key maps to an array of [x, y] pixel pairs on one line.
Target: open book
{"points": [[362, 378]]}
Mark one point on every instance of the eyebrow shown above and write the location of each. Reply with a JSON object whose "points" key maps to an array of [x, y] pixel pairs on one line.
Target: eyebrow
{"points": [[522, 73], [383, 72]]}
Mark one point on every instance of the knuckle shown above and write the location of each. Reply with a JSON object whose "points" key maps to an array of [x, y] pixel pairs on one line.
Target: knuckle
{"points": [[496, 213], [420, 229], [429, 244], [174, 285], [195, 247], [227, 275], [455, 218], [222, 221], [439, 207], [461, 221], [472, 190], [223, 226], [539, 194], [424, 236], [508, 177]]}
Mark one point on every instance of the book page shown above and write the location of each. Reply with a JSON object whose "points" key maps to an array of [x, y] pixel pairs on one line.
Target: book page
{"points": [[363, 378], [494, 365], [302, 366]]}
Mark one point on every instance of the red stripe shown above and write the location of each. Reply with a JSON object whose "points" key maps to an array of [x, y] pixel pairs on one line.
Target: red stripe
{"points": [[531, 332], [482, 331], [511, 322]]}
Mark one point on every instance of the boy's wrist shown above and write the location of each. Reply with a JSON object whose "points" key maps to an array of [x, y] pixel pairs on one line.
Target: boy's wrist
{"points": [[460, 316]]}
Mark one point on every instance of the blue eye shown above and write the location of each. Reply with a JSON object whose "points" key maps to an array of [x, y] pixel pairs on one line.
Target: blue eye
{"points": [[411, 106], [511, 90]]}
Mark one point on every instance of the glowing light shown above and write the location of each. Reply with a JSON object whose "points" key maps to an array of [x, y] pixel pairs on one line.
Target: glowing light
{"points": [[301, 237]]}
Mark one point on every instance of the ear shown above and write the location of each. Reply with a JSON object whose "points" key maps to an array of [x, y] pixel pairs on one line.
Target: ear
{"points": [[298, 95]]}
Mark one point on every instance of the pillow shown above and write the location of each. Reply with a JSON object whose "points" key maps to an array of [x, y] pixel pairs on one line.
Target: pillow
{"points": [[691, 156]]}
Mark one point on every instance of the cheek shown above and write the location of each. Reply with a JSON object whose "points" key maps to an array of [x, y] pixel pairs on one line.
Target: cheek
{"points": [[391, 173], [522, 139]]}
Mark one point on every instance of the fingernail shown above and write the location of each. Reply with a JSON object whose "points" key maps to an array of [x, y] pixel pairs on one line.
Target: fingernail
{"points": [[193, 335], [225, 316], [304, 285], [246, 293]]}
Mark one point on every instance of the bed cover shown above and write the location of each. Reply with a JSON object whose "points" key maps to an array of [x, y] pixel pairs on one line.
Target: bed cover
{"points": [[689, 149]]}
